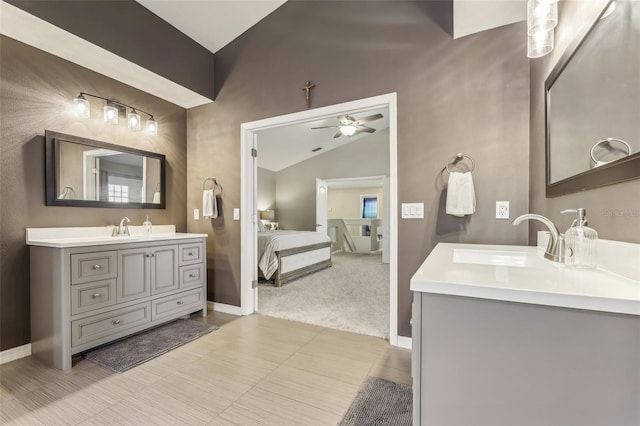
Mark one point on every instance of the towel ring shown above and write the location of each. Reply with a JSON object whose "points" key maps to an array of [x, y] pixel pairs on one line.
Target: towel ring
{"points": [[214, 183], [158, 187], [458, 158], [598, 163]]}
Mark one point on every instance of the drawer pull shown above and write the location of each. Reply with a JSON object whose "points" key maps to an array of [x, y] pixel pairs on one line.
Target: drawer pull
{"points": [[96, 267], [180, 302], [116, 322], [192, 275], [190, 253], [151, 255], [96, 295]]}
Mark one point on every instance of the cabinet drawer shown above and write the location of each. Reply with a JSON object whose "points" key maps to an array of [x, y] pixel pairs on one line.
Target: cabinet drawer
{"points": [[87, 267], [110, 323], [88, 296], [191, 253], [192, 275], [176, 304]]}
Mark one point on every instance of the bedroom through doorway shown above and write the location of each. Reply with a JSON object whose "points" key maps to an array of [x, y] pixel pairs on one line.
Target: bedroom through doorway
{"points": [[312, 180]]}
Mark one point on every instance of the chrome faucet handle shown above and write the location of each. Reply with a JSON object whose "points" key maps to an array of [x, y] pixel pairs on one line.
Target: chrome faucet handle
{"points": [[555, 246], [123, 228]]}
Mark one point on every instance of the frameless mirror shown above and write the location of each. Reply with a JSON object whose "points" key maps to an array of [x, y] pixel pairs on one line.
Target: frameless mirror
{"points": [[87, 173], [592, 104]]}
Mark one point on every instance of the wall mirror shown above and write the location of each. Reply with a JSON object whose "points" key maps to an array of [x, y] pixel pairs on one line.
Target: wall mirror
{"points": [[592, 104], [82, 172]]}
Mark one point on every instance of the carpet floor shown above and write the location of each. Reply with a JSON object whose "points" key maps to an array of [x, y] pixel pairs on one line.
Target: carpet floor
{"points": [[129, 352], [380, 402], [352, 295]]}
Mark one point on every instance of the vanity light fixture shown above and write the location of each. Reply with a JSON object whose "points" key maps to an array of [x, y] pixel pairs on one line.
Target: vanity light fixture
{"points": [[111, 113], [542, 18]]}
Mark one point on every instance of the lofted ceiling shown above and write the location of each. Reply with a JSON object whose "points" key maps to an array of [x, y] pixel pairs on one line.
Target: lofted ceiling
{"points": [[281, 147]]}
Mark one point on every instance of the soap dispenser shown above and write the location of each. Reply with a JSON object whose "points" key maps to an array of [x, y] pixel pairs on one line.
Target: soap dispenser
{"points": [[146, 227], [580, 241]]}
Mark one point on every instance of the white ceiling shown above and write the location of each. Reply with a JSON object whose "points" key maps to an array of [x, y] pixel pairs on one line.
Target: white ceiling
{"points": [[281, 147], [473, 16], [212, 23]]}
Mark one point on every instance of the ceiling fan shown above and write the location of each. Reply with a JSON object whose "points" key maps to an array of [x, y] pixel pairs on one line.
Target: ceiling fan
{"points": [[349, 126]]}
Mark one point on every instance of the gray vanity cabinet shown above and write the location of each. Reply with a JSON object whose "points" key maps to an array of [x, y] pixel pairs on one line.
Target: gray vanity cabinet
{"points": [[83, 297], [147, 271]]}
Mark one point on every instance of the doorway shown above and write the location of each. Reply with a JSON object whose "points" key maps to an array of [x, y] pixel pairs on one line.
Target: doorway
{"points": [[249, 220]]}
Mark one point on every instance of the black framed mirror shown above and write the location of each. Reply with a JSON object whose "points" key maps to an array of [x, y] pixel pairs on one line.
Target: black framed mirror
{"points": [[82, 172], [592, 104]]}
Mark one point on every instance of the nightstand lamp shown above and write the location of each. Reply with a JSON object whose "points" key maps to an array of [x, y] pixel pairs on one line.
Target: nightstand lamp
{"points": [[268, 217]]}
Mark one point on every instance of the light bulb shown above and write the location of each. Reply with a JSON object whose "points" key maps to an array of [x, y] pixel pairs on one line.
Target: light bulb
{"points": [[81, 106], [348, 130], [110, 114], [151, 128], [539, 43], [133, 120]]}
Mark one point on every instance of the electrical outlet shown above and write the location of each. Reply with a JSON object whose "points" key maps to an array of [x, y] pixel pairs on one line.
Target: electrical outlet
{"points": [[196, 214], [502, 210]]}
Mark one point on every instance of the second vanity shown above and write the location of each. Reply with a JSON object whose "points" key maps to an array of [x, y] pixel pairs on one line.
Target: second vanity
{"points": [[89, 288], [502, 336]]}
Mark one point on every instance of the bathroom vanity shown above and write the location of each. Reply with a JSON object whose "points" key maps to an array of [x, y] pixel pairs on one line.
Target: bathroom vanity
{"points": [[89, 288], [503, 336]]}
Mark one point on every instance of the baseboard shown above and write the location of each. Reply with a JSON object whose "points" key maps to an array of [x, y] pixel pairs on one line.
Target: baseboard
{"points": [[223, 307], [15, 353], [404, 342]]}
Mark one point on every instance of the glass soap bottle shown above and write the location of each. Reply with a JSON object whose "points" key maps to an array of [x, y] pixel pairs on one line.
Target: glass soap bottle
{"points": [[581, 241], [146, 227]]}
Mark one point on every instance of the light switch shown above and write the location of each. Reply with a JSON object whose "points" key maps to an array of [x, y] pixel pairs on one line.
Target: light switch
{"points": [[196, 214], [413, 210], [236, 213]]}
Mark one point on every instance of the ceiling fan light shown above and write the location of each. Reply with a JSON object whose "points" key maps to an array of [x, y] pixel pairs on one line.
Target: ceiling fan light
{"points": [[348, 130]]}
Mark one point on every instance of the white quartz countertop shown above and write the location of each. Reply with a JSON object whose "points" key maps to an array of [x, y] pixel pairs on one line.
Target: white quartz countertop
{"points": [[521, 274], [101, 235]]}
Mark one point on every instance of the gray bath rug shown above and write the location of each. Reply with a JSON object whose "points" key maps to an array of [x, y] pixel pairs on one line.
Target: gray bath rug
{"points": [[140, 348], [380, 402]]}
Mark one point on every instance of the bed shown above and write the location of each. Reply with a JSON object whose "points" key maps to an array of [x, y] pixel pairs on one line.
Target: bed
{"points": [[286, 255]]}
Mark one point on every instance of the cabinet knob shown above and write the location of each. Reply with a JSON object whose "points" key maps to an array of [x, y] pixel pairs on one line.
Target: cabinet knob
{"points": [[151, 254], [192, 275], [96, 295], [180, 302], [116, 322], [96, 267], [190, 253]]}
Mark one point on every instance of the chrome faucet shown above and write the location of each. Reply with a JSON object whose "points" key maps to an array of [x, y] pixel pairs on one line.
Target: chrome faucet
{"points": [[555, 247], [122, 229]]}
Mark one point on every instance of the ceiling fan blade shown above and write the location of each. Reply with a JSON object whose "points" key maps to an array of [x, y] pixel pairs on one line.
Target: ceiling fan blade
{"points": [[360, 129], [369, 118], [324, 127], [337, 135]]}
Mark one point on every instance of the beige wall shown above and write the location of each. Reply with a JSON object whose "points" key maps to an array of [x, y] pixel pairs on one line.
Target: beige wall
{"points": [[266, 196], [36, 95], [345, 203], [614, 211], [468, 95]]}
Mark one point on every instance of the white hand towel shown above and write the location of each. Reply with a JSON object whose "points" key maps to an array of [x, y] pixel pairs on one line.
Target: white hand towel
{"points": [[156, 198], [461, 197], [209, 204]]}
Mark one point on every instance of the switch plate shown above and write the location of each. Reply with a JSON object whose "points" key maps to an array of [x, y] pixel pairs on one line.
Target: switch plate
{"points": [[196, 214], [502, 210], [413, 210], [236, 213]]}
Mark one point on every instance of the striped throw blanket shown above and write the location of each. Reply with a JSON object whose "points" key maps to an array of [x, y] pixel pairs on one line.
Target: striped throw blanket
{"points": [[272, 241]]}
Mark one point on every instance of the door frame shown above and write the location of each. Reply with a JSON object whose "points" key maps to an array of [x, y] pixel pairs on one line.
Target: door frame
{"points": [[248, 181]]}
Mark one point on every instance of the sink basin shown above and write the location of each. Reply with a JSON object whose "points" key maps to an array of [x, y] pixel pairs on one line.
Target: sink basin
{"points": [[490, 257]]}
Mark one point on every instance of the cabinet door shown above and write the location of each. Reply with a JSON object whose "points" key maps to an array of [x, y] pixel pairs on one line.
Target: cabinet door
{"points": [[134, 274], [164, 273]]}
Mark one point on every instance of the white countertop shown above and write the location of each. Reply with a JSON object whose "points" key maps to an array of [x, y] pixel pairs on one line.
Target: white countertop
{"points": [[101, 235], [534, 280]]}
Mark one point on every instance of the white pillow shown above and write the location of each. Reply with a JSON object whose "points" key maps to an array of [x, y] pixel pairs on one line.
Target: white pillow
{"points": [[261, 227]]}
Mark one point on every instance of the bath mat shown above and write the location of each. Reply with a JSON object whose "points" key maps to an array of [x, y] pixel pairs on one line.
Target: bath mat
{"points": [[127, 353], [382, 403]]}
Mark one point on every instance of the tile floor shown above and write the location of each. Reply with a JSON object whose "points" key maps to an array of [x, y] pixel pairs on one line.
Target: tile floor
{"points": [[254, 370]]}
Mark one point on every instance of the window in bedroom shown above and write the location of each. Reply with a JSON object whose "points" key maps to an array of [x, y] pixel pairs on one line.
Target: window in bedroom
{"points": [[369, 211]]}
